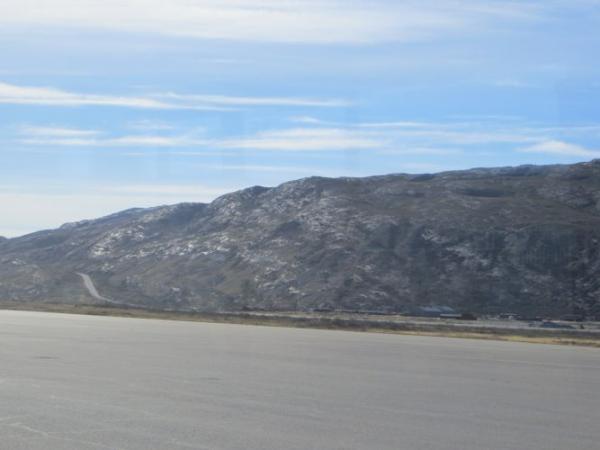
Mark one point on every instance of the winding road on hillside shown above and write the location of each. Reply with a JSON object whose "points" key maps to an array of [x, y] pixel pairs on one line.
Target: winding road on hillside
{"points": [[91, 288]]}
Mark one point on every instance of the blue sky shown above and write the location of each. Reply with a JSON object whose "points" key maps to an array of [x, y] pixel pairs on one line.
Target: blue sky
{"points": [[108, 104]]}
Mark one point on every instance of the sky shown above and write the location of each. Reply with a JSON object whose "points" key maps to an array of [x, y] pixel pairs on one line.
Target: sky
{"points": [[111, 104]]}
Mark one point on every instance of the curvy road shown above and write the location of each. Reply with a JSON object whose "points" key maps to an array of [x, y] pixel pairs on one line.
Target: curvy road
{"points": [[91, 288], [82, 382], [89, 285]]}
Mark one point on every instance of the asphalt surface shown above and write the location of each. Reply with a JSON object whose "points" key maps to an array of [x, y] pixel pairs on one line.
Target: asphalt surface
{"points": [[82, 382]]}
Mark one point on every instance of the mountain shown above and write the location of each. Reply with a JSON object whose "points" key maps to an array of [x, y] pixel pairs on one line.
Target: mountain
{"points": [[523, 240]]}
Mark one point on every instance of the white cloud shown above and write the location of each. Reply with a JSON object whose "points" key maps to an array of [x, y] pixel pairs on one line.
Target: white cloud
{"points": [[60, 132], [253, 168], [307, 120], [427, 134], [432, 134], [186, 154], [150, 125], [468, 137], [392, 138], [123, 141], [400, 124], [301, 139], [555, 147], [151, 141], [436, 135], [512, 83], [308, 21], [223, 100], [27, 95], [421, 151]]}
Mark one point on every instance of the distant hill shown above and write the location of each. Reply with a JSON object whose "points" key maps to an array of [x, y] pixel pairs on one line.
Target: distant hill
{"points": [[523, 240]]}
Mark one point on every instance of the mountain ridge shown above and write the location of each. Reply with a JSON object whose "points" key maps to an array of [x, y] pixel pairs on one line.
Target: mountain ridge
{"points": [[520, 239]]}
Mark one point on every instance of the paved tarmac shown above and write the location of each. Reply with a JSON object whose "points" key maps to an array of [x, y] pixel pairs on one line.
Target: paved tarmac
{"points": [[82, 382]]}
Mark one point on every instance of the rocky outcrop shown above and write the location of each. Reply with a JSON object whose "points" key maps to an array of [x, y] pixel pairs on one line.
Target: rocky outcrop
{"points": [[523, 239]]}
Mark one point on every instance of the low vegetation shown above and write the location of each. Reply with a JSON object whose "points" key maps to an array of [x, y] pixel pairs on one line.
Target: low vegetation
{"points": [[296, 320]]}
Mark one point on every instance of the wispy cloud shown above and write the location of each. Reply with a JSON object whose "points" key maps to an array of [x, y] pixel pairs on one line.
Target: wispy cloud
{"points": [[276, 169], [123, 141], [150, 125], [512, 83], [389, 138], [433, 134], [399, 124], [466, 137], [305, 139], [296, 139], [57, 132], [425, 135], [233, 101], [73, 137], [49, 96], [554, 147], [26, 95], [432, 151], [306, 21], [308, 120]]}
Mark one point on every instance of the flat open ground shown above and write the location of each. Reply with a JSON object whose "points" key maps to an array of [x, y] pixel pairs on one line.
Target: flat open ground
{"points": [[86, 382]]}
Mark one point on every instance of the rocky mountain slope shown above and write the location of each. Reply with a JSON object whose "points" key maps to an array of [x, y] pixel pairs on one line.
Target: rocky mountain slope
{"points": [[523, 239]]}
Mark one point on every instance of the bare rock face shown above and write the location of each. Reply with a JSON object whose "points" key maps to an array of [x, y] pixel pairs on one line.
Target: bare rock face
{"points": [[523, 239]]}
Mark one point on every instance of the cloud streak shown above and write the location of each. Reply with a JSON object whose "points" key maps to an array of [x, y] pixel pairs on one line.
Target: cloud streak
{"points": [[233, 101], [123, 141], [298, 139], [305, 21], [555, 147], [57, 132], [49, 96], [305, 139], [275, 169], [386, 138]]}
